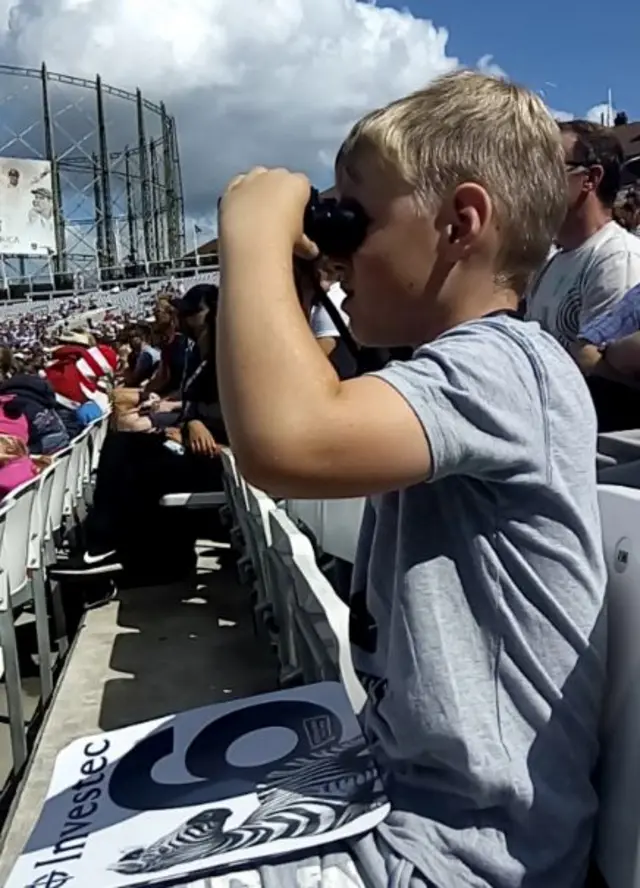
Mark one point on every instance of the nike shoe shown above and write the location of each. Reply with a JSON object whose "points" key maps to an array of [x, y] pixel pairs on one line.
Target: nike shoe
{"points": [[89, 564]]}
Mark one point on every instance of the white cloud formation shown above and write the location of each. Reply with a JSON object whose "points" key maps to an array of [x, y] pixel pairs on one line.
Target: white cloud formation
{"points": [[562, 115], [600, 113], [487, 65], [250, 81]]}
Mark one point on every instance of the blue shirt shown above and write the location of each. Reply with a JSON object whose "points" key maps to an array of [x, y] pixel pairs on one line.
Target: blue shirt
{"points": [[620, 321]]}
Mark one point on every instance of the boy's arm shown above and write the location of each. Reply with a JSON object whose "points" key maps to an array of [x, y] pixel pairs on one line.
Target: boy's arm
{"points": [[295, 429]]}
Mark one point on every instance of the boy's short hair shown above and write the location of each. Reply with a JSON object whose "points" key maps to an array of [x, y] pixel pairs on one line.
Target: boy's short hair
{"points": [[470, 127]]}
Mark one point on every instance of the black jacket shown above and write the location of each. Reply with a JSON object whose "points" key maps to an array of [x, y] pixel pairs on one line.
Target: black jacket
{"points": [[36, 399]]}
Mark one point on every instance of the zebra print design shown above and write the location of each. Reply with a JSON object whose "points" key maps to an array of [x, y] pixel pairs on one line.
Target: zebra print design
{"points": [[308, 796]]}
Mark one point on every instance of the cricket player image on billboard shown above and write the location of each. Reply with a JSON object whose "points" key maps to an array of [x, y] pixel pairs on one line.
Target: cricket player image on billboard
{"points": [[26, 208]]}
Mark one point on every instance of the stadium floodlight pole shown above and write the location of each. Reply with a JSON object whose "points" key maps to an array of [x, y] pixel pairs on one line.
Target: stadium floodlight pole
{"points": [[51, 270], [117, 244], [105, 177], [195, 243], [145, 258], [5, 279], [143, 161]]}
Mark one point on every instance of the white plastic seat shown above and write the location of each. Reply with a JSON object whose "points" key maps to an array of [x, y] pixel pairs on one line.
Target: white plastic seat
{"points": [[618, 447], [21, 559], [53, 521], [237, 498], [208, 500], [266, 601], [74, 472], [333, 524], [9, 651], [79, 477], [43, 552], [341, 520], [233, 485], [55, 512], [307, 513], [98, 433], [319, 620], [618, 834]]}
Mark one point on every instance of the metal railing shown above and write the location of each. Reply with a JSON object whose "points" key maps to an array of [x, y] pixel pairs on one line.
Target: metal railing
{"points": [[46, 286]]}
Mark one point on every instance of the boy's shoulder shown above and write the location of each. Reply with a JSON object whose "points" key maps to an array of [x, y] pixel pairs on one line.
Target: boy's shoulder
{"points": [[495, 396], [503, 353]]}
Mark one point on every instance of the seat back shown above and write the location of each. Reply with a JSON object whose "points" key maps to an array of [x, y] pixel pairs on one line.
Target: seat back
{"points": [[230, 480], [9, 659], [333, 524], [234, 487], [58, 491], [242, 506], [5, 510], [618, 833], [75, 470], [84, 465], [308, 513], [259, 506], [341, 520], [620, 447], [97, 434], [319, 621], [21, 524], [279, 578]]}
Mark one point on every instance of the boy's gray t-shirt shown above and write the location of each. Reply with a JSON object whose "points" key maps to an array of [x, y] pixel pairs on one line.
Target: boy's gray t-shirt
{"points": [[477, 620]]}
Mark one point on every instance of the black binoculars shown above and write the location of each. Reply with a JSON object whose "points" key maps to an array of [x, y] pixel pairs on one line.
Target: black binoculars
{"points": [[337, 227]]}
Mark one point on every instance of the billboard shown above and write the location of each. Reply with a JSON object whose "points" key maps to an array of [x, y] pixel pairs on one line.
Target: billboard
{"points": [[26, 208]]}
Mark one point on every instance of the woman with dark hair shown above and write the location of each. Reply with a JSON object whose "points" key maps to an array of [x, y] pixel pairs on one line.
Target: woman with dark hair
{"points": [[126, 522]]}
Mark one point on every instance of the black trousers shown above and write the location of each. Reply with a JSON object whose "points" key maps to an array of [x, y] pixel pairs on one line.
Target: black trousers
{"points": [[135, 471], [617, 405]]}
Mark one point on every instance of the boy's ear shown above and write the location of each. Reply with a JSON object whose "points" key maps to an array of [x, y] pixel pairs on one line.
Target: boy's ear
{"points": [[467, 217]]}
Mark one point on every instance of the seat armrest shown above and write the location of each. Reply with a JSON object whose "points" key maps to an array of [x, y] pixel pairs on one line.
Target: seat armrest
{"points": [[208, 500]]}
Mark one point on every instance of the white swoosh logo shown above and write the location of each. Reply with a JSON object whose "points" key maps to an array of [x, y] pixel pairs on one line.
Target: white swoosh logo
{"points": [[96, 559]]}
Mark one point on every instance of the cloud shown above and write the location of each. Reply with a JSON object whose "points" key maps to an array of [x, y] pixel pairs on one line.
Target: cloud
{"points": [[487, 65], [599, 113], [249, 81], [275, 82], [562, 116]]}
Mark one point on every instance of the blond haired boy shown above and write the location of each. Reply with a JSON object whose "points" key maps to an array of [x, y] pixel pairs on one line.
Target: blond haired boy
{"points": [[477, 604]]}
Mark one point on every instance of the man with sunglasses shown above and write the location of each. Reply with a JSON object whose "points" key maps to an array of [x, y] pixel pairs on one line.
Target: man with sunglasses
{"points": [[598, 261]]}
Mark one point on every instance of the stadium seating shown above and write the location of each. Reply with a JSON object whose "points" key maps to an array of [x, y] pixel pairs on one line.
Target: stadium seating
{"points": [[618, 840], [33, 520], [309, 621], [333, 524]]}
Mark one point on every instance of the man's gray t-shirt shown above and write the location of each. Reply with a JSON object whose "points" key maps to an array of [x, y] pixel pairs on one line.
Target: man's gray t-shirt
{"points": [[477, 620]]}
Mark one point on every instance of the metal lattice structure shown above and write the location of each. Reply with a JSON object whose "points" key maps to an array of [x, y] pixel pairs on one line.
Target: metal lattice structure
{"points": [[116, 179]]}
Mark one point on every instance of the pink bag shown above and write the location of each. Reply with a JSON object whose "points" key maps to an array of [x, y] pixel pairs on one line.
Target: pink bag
{"points": [[14, 473]]}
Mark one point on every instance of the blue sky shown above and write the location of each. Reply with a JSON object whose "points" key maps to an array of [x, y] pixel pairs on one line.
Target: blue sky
{"points": [[583, 48]]}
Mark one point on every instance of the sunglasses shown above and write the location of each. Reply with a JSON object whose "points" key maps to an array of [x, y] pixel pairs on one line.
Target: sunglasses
{"points": [[337, 227], [583, 166]]}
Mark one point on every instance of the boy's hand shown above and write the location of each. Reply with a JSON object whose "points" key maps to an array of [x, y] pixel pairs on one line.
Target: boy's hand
{"points": [[267, 203]]}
